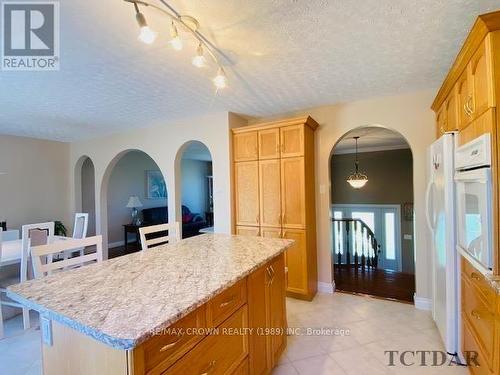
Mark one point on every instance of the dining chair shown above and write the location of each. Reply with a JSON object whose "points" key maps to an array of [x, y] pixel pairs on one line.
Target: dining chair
{"points": [[172, 230], [42, 254], [80, 227], [32, 235]]}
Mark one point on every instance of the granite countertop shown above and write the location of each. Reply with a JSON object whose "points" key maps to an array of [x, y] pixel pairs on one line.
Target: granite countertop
{"points": [[122, 301]]}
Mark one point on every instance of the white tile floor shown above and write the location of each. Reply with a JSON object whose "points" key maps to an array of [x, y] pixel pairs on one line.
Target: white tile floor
{"points": [[374, 326]]}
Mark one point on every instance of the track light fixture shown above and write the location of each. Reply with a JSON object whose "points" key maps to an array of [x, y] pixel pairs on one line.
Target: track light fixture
{"points": [[186, 23]]}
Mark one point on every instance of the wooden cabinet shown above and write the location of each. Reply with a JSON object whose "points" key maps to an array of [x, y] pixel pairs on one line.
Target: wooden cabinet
{"points": [[482, 125], [245, 147], [292, 141], [480, 81], [269, 144], [286, 195], [247, 193], [247, 231], [296, 261], [268, 313], [464, 97], [440, 122], [270, 193], [293, 199], [451, 111]]}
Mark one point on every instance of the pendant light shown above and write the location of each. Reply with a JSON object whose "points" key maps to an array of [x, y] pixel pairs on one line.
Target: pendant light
{"points": [[357, 180]]}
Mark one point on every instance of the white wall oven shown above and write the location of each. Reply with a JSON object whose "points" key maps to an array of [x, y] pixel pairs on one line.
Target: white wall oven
{"points": [[474, 202]]}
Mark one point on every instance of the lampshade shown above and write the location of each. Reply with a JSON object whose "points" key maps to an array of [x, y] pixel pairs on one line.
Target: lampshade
{"points": [[357, 179], [134, 202]]}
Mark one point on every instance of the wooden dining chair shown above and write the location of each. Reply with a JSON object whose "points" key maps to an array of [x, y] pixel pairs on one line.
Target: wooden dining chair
{"points": [[171, 230], [41, 255]]}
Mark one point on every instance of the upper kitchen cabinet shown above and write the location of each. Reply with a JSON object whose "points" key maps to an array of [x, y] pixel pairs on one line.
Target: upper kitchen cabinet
{"points": [[464, 96], [480, 68], [441, 122], [451, 111], [269, 144], [245, 146], [292, 141]]}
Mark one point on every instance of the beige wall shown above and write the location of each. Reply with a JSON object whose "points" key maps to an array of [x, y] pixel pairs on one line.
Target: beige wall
{"points": [[408, 114], [164, 144], [390, 181], [35, 186]]}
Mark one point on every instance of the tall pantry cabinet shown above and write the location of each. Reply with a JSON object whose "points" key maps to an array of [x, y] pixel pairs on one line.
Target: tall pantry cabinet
{"points": [[274, 193]]}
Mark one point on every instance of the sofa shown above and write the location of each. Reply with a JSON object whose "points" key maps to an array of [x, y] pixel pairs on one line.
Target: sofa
{"points": [[191, 222]]}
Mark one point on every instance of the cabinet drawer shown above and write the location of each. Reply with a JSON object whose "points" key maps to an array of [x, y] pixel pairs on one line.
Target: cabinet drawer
{"points": [[480, 318], [223, 305], [161, 351], [482, 286], [470, 349], [218, 354]]}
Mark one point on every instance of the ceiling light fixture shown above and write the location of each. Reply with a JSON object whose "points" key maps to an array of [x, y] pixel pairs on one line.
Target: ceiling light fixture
{"points": [[186, 23], [357, 180], [199, 60], [146, 35]]}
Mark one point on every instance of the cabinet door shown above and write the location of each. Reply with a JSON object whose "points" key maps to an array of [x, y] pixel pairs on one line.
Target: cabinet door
{"points": [[247, 231], [293, 207], [480, 80], [451, 108], [246, 188], [440, 122], [296, 261], [269, 144], [278, 308], [245, 146], [270, 193], [292, 141], [464, 98], [270, 232], [258, 318]]}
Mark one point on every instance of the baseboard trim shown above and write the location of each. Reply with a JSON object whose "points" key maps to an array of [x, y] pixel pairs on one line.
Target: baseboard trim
{"points": [[116, 244], [422, 303], [326, 287]]}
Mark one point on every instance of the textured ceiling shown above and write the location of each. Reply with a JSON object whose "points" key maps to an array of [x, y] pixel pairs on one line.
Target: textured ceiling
{"points": [[280, 56], [371, 138]]}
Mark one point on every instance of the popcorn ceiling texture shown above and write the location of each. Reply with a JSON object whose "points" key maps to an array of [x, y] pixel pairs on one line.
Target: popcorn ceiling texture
{"points": [[123, 301], [281, 56]]}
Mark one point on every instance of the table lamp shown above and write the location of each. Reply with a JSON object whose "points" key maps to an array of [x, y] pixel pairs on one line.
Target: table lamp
{"points": [[133, 203]]}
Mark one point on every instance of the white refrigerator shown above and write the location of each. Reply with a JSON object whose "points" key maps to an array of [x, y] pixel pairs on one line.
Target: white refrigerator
{"points": [[440, 201]]}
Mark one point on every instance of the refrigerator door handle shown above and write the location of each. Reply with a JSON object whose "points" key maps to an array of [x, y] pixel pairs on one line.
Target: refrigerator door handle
{"points": [[428, 214]]}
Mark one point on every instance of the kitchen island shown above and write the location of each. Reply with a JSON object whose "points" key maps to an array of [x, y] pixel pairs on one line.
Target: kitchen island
{"points": [[212, 304]]}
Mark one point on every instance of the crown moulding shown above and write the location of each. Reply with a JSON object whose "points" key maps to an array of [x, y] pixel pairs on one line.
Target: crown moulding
{"points": [[485, 24], [307, 120]]}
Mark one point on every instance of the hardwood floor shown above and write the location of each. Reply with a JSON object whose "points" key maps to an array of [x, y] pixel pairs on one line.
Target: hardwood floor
{"points": [[378, 282]]}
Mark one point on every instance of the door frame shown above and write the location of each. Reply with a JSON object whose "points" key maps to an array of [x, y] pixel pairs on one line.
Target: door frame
{"points": [[397, 207]]}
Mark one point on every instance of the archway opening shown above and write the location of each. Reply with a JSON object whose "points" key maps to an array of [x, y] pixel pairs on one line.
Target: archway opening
{"points": [[196, 189], [85, 192], [373, 220], [136, 196]]}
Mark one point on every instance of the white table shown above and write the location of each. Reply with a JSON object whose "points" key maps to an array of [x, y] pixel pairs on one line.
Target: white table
{"points": [[12, 250]]}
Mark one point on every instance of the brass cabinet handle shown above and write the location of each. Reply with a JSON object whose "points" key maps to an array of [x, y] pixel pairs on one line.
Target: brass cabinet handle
{"points": [[170, 346], [466, 110], [210, 367], [269, 276], [471, 106], [475, 314], [227, 302], [272, 273], [283, 216], [441, 129]]}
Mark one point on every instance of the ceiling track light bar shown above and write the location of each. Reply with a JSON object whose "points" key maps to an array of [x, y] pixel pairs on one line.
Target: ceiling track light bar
{"points": [[189, 24]]}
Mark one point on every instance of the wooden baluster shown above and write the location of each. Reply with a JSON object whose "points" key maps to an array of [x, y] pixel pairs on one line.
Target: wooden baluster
{"points": [[347, 252], [355, 229], [363, 249]]}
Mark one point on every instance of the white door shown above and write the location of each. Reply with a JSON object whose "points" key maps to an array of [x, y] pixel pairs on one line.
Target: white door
{"points": [[385, 223]]}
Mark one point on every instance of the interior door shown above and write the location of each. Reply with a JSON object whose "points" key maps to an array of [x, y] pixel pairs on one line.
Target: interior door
{"points": [[246, 187]]}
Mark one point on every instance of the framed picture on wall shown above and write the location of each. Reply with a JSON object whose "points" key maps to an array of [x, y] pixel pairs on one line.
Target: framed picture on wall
{"points": [[155, 185]]}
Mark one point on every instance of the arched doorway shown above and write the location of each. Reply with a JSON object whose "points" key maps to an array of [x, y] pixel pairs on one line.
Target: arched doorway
{"points": [[195, 187], [132, 183], [85, 191], [372, 221]]}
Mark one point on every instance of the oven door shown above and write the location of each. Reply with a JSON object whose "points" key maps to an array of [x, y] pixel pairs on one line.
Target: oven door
{"points": [[474, 219]]}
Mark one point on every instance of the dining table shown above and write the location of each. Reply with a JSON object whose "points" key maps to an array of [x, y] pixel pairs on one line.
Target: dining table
{"points": [[12, 250]]}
